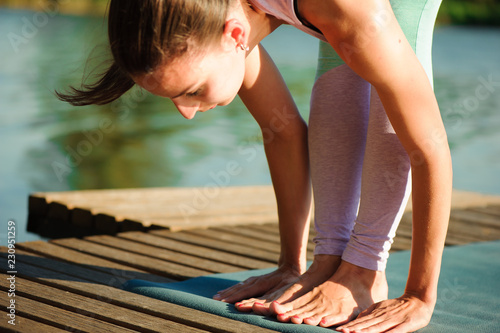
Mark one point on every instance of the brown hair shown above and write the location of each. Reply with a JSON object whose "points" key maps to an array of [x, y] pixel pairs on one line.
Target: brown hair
{"points": [[144, 33]]}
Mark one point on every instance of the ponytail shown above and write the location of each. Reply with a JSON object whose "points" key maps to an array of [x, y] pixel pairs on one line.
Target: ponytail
{"points": [[112, 84]]}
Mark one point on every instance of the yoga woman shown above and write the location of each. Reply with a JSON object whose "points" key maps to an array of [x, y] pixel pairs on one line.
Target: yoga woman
{"points": [[375, 134]]}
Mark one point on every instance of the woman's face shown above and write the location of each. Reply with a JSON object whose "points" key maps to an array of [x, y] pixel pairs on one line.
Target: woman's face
{"points": [[198, 82]]}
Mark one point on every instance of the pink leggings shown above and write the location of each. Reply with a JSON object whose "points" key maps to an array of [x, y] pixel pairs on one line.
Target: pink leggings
{"points": [[360, 171]]}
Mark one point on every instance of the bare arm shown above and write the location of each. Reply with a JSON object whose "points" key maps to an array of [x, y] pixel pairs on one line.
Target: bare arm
{"points": [[285, 141], [370, 41]]}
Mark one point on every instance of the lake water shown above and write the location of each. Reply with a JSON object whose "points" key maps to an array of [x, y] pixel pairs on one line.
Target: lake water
{"points": [[141, 141]]}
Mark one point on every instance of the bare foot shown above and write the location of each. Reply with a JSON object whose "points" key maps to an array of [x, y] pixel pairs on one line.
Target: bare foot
{"points": [[340, 299], [321, 269]]}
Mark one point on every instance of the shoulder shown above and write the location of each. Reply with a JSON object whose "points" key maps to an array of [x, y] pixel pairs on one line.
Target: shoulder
{"points": [[325, 14]]}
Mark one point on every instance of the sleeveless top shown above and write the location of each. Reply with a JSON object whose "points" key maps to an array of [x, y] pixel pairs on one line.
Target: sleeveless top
{"points": [[286, 10]]}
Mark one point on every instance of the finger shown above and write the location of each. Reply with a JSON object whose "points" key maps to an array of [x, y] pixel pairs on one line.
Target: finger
{"points": [[230, 290], [367, 327], [360, 322], [241, 292], [375, 323], [248, 282], [366, 312], [404, 328]]}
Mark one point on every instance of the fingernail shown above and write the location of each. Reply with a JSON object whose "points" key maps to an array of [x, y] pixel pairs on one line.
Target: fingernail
{"points": [[296, 317], [237, 304], [277, 302], [259, 304]]}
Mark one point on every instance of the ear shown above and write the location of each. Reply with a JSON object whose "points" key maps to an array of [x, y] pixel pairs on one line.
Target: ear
{"points": [[234, 34]]}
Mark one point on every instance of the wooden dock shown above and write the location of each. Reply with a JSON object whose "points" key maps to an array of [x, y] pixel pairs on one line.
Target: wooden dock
{"points": [[164, 235]]}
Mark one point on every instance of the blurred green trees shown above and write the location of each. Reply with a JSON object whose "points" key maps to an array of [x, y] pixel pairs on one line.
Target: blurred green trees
{"points": [[463, 12], [470, 12]]}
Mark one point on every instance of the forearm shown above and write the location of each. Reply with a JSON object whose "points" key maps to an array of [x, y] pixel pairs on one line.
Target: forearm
{"points": [[432, 185], [289, 166]]}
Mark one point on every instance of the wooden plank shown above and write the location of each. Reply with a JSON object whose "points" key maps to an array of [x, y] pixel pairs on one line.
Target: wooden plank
{"points": [[143, 262], [94, 309], [154, 209], [54, 251], [238, 194], [477, 217], [171, 207], [238, 261], [82, 218], [58, 211], [37, 210], [256, 234], [205, 221], [75, 271], [25, 325], [465, 224], [60, 318], [401, 243], [183, 208], [272, 228], [455, 235], [266, 256], [163, 254], [248, 242], [492, 210], [245, 230], [133, 301]]}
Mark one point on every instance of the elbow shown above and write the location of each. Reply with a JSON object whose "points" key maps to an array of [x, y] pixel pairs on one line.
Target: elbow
{"points": [[434, 156]]}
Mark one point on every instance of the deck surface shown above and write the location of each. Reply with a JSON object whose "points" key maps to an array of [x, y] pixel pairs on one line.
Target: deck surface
{"points": [[72, 284]]}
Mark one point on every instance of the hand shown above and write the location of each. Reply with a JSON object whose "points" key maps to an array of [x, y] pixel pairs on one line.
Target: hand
{"points": [[259, 285], [407, 313]]}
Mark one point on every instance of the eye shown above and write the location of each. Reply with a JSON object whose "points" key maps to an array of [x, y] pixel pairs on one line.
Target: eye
{"points": [[194, 94]]}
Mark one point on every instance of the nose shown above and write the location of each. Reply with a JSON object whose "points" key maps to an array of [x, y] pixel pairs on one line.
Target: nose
{"points": [[187, 111]]}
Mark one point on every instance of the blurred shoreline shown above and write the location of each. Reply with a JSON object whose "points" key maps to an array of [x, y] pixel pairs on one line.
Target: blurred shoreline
{"points": [[457, 12], [54, 7]]}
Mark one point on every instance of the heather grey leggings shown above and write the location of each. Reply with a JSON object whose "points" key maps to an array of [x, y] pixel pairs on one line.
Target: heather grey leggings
{"points": [[360, 172]]}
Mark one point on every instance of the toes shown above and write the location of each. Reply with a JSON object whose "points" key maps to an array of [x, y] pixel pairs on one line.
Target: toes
{"points": [[296, 319], [261, 308], [243, 307], [328, 321], [313, 320]]}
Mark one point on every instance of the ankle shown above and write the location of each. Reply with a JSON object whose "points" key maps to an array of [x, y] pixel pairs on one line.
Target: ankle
{"points": [[325, 264], [366, 276]]}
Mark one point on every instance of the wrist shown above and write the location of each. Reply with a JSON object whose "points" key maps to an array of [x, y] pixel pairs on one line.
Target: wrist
{"points": [[296, 264], [427, 296]]}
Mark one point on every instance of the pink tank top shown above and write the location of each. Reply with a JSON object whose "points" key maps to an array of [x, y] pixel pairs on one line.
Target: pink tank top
{"points": [[286, 11]]}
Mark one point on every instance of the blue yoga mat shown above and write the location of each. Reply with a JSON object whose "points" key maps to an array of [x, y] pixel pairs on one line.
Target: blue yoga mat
{"points": [[468, 295]]}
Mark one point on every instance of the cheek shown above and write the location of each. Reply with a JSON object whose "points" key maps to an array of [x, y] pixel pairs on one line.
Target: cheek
{"points": [[236, 75]]}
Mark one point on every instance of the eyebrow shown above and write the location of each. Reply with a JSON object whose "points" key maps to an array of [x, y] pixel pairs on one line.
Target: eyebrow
{"points": [[185, 91], [180, 94]]}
